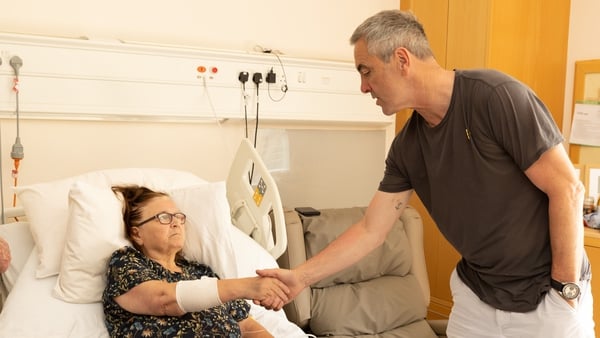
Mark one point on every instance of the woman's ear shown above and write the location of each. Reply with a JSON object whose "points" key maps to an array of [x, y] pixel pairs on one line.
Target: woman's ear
{"points": [[135, 236]]}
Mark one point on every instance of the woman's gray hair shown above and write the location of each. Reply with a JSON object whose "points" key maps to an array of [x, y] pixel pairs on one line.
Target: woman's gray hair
{"points": [[390, 29]]}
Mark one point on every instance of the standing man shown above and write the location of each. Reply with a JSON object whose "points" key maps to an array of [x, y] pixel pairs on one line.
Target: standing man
{"points": [[485, 157]]}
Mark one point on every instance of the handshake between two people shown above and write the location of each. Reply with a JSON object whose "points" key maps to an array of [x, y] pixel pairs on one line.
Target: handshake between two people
{"points": [[276, 287]]}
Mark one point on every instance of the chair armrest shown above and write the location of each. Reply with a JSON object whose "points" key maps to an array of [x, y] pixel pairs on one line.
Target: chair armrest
{"points": [[413, 225], [297, 311]]}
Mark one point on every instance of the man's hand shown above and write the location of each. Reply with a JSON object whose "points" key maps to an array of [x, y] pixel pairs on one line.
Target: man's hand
{"points": [[269, 291], [4, 255], [290, 278]]}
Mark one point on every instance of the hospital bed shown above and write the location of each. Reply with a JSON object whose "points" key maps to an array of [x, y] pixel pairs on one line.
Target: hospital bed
{"points": [[66, 229]]}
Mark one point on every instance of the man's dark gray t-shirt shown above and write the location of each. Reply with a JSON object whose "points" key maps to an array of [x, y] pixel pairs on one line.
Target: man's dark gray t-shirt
{"points": [[469, 173]]}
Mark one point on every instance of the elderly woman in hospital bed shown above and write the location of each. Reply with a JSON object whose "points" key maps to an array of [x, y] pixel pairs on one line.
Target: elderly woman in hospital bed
{"points": [[153, 290], [70, 227]]}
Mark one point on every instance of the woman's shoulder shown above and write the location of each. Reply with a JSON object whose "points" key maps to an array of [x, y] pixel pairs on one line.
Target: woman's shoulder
{"points": [[123, 251], [126, 252]]}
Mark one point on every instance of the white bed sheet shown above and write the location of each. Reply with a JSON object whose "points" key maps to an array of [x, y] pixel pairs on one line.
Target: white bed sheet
{"points": [[31, 311]]}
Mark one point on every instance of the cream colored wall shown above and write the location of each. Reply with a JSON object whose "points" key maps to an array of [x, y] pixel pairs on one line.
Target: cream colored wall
{"points": [[55, 149], [583, 45], [308, 29], [330, 166]]}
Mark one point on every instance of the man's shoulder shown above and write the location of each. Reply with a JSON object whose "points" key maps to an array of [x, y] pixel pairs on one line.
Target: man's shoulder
{"points": [[489, 76]]}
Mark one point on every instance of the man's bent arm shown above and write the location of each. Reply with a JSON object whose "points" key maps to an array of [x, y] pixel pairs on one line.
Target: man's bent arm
{"points": [[352, 245], [553, 173]]}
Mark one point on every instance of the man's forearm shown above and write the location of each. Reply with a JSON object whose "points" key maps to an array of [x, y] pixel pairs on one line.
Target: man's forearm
{"points": [[346, 250], [566, 236]]}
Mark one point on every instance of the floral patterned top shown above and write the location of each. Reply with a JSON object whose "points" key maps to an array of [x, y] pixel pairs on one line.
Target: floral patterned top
{"points": [[128, 267]]}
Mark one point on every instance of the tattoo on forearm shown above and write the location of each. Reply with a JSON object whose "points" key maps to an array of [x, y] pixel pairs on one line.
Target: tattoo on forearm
{"points": [[397, 206]]}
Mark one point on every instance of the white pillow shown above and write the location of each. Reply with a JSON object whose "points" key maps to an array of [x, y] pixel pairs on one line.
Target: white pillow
{"points": [[208, 226], [250, 255], [46, 205], [96, 229]]}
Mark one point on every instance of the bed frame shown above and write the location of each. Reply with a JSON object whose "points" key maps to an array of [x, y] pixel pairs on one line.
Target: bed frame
{"points": [[253, 197]]}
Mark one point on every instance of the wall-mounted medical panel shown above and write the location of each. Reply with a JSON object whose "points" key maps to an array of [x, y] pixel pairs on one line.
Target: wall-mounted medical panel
{"points": [[65, 78]]}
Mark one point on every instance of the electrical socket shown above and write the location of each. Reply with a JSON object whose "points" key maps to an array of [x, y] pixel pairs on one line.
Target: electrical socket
{"points": [[271, 76], [243, 77], [257, 78]]}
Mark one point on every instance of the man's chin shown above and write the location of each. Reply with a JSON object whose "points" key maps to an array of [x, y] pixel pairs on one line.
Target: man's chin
{"points": [[386, 112]]}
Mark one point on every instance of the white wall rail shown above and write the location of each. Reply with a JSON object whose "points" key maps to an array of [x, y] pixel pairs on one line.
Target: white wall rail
{"points": [[64, 78]]}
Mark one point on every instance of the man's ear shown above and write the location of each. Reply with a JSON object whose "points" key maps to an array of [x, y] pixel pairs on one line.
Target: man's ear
{"points": [[402, 58]]}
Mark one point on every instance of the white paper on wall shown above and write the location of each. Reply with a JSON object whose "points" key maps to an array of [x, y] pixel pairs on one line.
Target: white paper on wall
{"points": [[585, 129]]}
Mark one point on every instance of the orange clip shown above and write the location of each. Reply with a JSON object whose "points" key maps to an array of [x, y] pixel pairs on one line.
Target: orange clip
{"points": [[16, 85]]}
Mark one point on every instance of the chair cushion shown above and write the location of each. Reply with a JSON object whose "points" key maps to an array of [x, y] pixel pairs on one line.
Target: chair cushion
{"points": [[392, 258], [376, 295], [377, 305]]}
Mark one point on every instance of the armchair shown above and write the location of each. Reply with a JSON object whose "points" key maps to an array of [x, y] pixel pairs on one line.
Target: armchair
{"points": [[386, 294]]}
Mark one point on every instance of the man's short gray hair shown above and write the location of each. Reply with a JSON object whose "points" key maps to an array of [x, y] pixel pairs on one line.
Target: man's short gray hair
{"points": [[390, 29]]}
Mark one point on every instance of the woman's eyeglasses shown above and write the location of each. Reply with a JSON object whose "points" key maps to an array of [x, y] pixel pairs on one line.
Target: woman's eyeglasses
{"points": [[165, 218]]}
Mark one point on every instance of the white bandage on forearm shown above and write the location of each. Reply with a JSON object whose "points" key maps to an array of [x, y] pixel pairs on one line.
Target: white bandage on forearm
{"points": [[197, 295]]}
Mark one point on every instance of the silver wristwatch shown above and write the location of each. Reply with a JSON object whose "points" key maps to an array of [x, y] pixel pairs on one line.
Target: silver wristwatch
{"points": [[566, 290]]}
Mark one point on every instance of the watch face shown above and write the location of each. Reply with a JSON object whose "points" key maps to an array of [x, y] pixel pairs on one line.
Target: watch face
{"points": [[570, 291]]}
